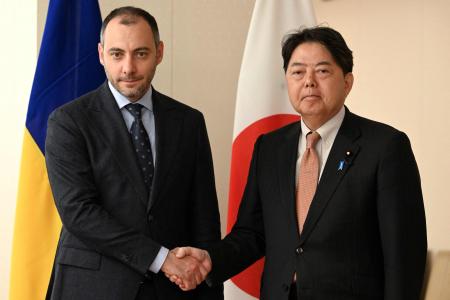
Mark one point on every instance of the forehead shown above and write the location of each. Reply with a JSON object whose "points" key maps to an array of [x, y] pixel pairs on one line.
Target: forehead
{"points": [[136, 32], [311, 53]]}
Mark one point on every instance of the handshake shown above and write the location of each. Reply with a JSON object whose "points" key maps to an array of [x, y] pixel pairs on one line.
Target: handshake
{"points": [[187, 267]]}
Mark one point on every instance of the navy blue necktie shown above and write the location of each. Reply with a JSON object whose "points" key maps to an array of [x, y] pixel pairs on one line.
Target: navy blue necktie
{"points": [[141, 144]]}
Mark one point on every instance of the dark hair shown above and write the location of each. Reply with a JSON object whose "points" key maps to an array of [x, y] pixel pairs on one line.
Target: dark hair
{"points": [[328, 37], [129, 16]]}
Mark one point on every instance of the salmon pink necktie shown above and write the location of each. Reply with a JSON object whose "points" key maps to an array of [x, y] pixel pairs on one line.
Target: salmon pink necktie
{"points": [[308, 178]]}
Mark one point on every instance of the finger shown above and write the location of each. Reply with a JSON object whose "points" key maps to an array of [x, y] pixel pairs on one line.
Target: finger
{"points": [[204, 268], [190, 251], [198, 273], [193, 279], [177, 280], [180, 252], [203, 272], [194, 270], [198, 277], [187, 285], [199, 254], [184, 288], [206, 262]]}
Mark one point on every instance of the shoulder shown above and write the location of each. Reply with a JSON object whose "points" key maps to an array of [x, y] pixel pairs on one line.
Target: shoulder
{"points": [[371, 129], [289, 131], [286, 129], [164, 102], [285, 135], [371, 125], [377, 136], [76, 106]]}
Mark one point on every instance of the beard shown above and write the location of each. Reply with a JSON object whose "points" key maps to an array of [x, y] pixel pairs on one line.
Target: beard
{"points": [[135, 93]]}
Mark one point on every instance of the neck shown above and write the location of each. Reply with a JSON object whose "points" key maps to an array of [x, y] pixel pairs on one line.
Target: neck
{"points": [[313, 124]]}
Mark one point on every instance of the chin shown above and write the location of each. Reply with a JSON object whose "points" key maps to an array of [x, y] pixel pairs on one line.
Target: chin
{"points": [[127, 93], [310, 108]]}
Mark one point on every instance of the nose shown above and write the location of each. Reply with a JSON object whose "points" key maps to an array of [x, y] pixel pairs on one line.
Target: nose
{"points": [[129, 66], [310, 81]]}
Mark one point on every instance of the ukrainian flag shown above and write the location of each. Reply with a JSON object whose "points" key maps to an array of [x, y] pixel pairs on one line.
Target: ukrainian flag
{"points": [[67, 67]]}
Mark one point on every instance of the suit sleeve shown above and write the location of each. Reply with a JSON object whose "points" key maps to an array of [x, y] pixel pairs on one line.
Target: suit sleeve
{"points": [[401, 220], [245, 243], [206, 220], [78, 201]]}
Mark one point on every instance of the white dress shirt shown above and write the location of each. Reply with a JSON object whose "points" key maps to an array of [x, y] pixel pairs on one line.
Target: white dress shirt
{"points": [[328, 132]]}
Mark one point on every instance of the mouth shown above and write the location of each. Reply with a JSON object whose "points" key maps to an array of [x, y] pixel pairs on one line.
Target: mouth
{"points": [[130, 80], [310, 97]]}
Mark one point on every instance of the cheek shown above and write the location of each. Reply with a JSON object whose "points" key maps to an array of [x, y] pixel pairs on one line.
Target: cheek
{"points": [[293, 90], [328, 91], [146, 68], [333, 97], [113, 68]]}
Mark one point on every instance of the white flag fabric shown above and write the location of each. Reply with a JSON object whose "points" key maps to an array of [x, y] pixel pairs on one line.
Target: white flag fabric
{"points": [[262, 105]]}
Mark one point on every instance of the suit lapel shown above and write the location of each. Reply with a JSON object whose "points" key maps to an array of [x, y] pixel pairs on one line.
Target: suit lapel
{"points": [[344, 150], [168, 121], [105, 116], [287, 159]]}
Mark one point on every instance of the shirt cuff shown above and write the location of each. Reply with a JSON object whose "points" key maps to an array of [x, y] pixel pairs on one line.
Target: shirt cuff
{"points": [[159, 260]]}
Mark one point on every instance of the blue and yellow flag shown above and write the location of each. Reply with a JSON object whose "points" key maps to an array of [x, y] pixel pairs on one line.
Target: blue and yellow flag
{"points": [[67, 67]]}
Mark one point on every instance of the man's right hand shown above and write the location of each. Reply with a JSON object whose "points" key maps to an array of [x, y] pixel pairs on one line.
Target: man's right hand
{"points": [[185, 269], [201, 256]]}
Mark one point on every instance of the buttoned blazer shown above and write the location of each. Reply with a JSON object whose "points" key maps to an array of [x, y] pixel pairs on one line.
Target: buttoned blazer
{"points": [[364, 236], [112, 228]]}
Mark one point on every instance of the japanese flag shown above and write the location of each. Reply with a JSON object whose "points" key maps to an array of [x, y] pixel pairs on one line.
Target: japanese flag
{"points": [[262, 105]]}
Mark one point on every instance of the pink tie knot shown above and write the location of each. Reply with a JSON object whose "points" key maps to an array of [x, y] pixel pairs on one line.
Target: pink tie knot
{"points": [[311, 139]]}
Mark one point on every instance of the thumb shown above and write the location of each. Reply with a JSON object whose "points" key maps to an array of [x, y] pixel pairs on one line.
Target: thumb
{"points": [[181, 252]]}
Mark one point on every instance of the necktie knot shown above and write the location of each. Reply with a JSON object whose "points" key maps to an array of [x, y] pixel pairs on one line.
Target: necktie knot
{"points": [[135, 109], [311, 139]]}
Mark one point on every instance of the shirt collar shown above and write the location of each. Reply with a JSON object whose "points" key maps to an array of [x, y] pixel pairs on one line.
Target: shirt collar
{"points": [[121, 100], [327, 131]]}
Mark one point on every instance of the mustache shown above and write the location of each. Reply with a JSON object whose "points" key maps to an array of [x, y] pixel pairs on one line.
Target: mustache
{"points": [[130, 78]]}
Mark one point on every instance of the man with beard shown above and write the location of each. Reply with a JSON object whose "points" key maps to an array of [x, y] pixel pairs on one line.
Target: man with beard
{"points": [[132, 177]]}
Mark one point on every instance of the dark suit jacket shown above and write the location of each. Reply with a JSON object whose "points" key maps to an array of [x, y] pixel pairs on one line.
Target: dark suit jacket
{"points": [[364, 236], [112, 230]]}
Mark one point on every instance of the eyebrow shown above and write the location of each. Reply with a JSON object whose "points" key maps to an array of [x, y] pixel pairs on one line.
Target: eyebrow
{"points": [[115, 50], [135, 50], [322, 63], [141, 49]]}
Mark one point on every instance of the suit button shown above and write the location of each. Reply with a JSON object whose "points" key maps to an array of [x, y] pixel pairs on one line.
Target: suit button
{"points": [[299, 250], [150, 218], [125, 257]]}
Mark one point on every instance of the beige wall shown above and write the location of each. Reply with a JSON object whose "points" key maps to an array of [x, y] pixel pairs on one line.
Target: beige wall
{"points": [[401, 60], [401, 51], [17, 62]]}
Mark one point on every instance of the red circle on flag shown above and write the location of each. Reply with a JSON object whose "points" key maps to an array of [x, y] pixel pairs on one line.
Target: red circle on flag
{"points": [[249, 279]]}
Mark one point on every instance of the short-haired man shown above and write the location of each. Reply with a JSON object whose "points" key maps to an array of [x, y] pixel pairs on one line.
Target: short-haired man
{"points": [[132, 176], [334, 201]]}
